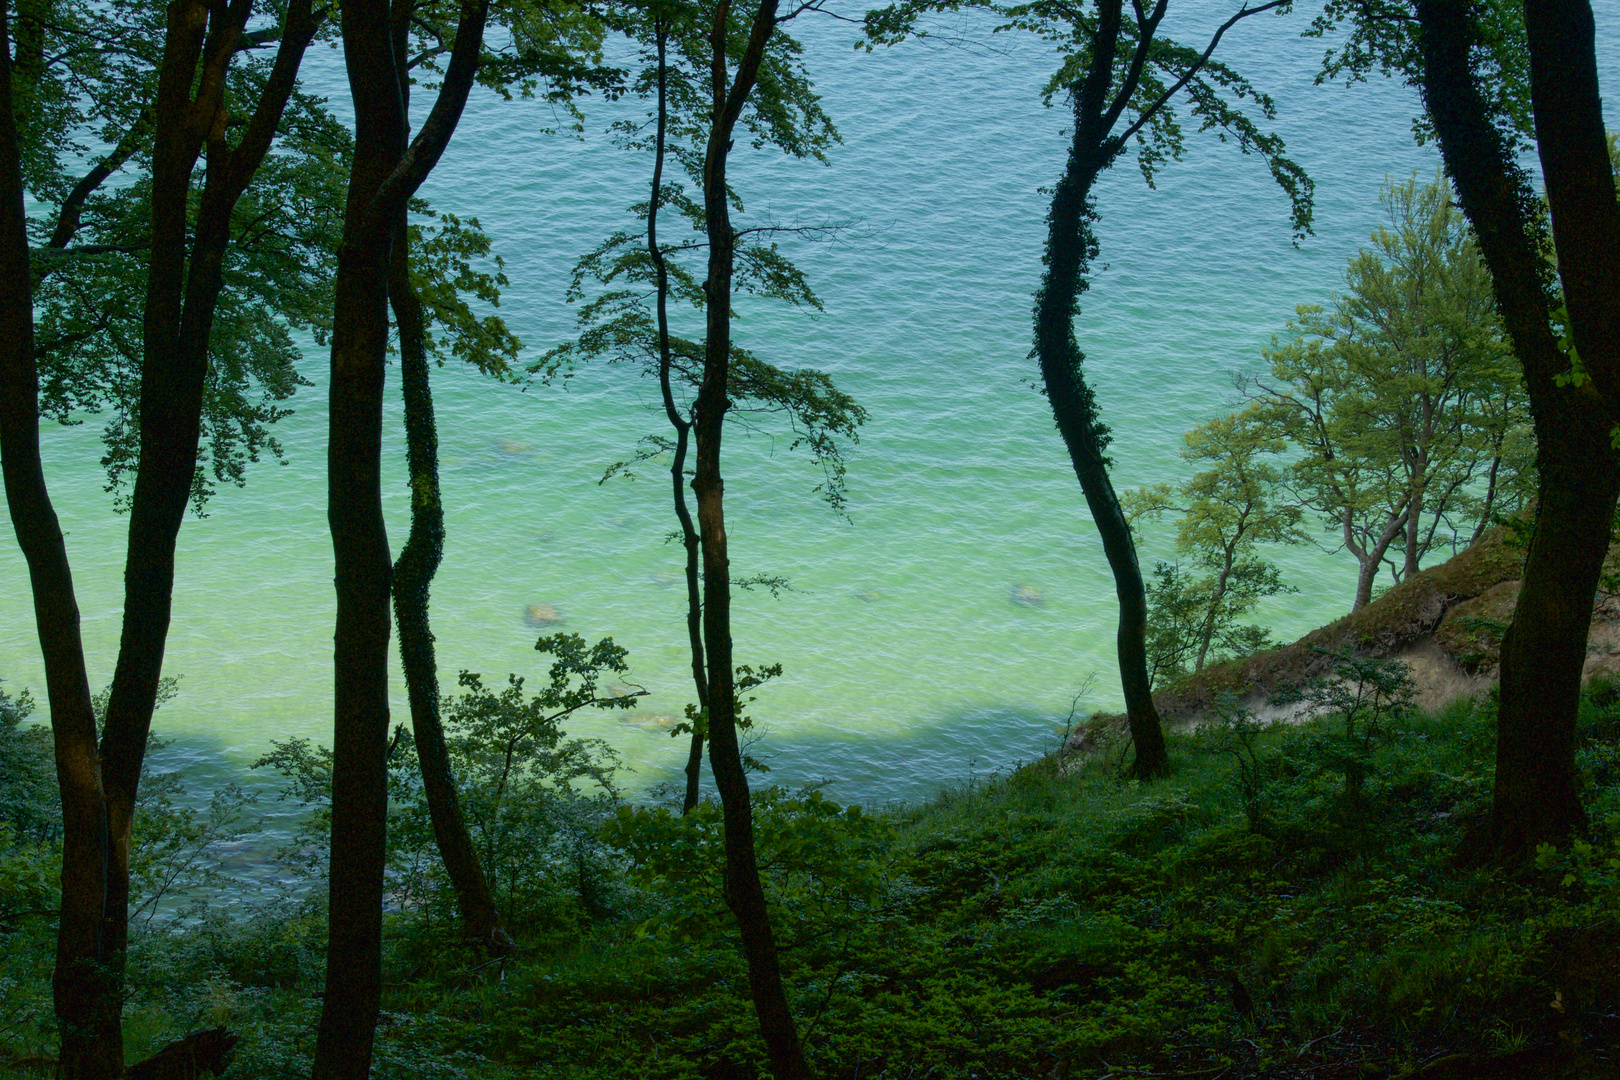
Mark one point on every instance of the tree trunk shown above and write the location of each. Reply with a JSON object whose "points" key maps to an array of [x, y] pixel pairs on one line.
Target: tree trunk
{"points": [[690, 540], [1580, 182], [184, 279], [745, 895], [1069, 248], [413, 579], [1370, 560], [1206, 633], [79, 988], [384, 174], [1536, 796]]}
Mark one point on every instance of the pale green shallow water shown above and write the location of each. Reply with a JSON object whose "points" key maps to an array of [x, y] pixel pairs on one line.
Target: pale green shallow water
{"points": [[908, 661]]}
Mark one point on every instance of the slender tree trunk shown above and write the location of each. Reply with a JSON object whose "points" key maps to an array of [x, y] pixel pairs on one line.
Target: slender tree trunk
{"points": [[1069, 248], [384, 174], [79, 987], [690, 540], [1414, 530], [1536, 796], [413, 579], [1206, 633], [183, 284], [745, 895]]}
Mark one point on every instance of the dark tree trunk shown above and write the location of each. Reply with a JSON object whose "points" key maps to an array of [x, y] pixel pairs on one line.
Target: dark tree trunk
{"points": [[361, 557], [413, 576], [184, 279], [1069, 248], [745, 895], [384, 174], [182, 289], [413, 579], [1536, 797], [690, 540], [1580, 182], [80, 991]]}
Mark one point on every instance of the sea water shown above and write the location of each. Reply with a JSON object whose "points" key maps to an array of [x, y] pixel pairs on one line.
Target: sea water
{"points": [[946, 628]]}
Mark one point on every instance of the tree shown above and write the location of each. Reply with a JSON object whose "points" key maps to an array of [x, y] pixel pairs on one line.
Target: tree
{"points": [[188, 236], [485, 342], [385, 173], [630, 320], [1402, 400], [1121, 79], [745, 896], [1467, 62], [1227, 511]]}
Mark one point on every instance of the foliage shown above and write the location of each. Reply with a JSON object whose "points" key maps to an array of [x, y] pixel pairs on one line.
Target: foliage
{"points": [[531, 796], [86, 76], [1369, 697], [1050, 921], [30, 809], [1228, 511], [1215, 95], [1402, 401], [616, 283], [819, 860]]}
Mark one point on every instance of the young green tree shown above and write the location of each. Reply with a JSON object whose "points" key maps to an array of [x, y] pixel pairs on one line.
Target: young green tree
{"points": [[1228, 511], [1402, 400], [1467, 61]]}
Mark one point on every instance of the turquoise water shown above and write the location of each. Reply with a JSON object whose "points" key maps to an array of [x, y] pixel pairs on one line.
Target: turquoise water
{"points": [[910, 659]]}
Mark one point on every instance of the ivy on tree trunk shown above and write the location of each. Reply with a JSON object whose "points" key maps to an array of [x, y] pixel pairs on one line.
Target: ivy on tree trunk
{"points": [[413, 575], [1536, 797]]}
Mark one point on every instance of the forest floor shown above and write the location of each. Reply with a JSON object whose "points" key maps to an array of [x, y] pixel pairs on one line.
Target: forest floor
{"points": [[1256, 914]]}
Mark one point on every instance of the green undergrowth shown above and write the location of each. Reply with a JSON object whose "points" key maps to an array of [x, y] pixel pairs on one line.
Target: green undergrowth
{"points": [[1256, 914]]}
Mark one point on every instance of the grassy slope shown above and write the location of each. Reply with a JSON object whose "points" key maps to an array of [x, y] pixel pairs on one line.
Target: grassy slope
{"points": [[1049, 923]]}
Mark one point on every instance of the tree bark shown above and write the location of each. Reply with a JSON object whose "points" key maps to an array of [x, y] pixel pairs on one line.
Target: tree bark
{"points": [[413, 575], [384, 174], [745, 895], [1536, 795], [184, 279], [80, 988], [1371, 559], [1069, 248], [690, 540], [1579, 181], [412, 580]]}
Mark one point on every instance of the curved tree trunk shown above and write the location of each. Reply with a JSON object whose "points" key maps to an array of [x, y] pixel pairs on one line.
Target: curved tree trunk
{"points": [[1069, 247], [414, 571], [412, 580], [690, 540], [1536, 797], [745, 895], [79, 986]]}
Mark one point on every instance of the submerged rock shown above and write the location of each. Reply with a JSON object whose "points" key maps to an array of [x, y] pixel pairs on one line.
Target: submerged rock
{"points": [[538, 615], [1028, 595]]}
